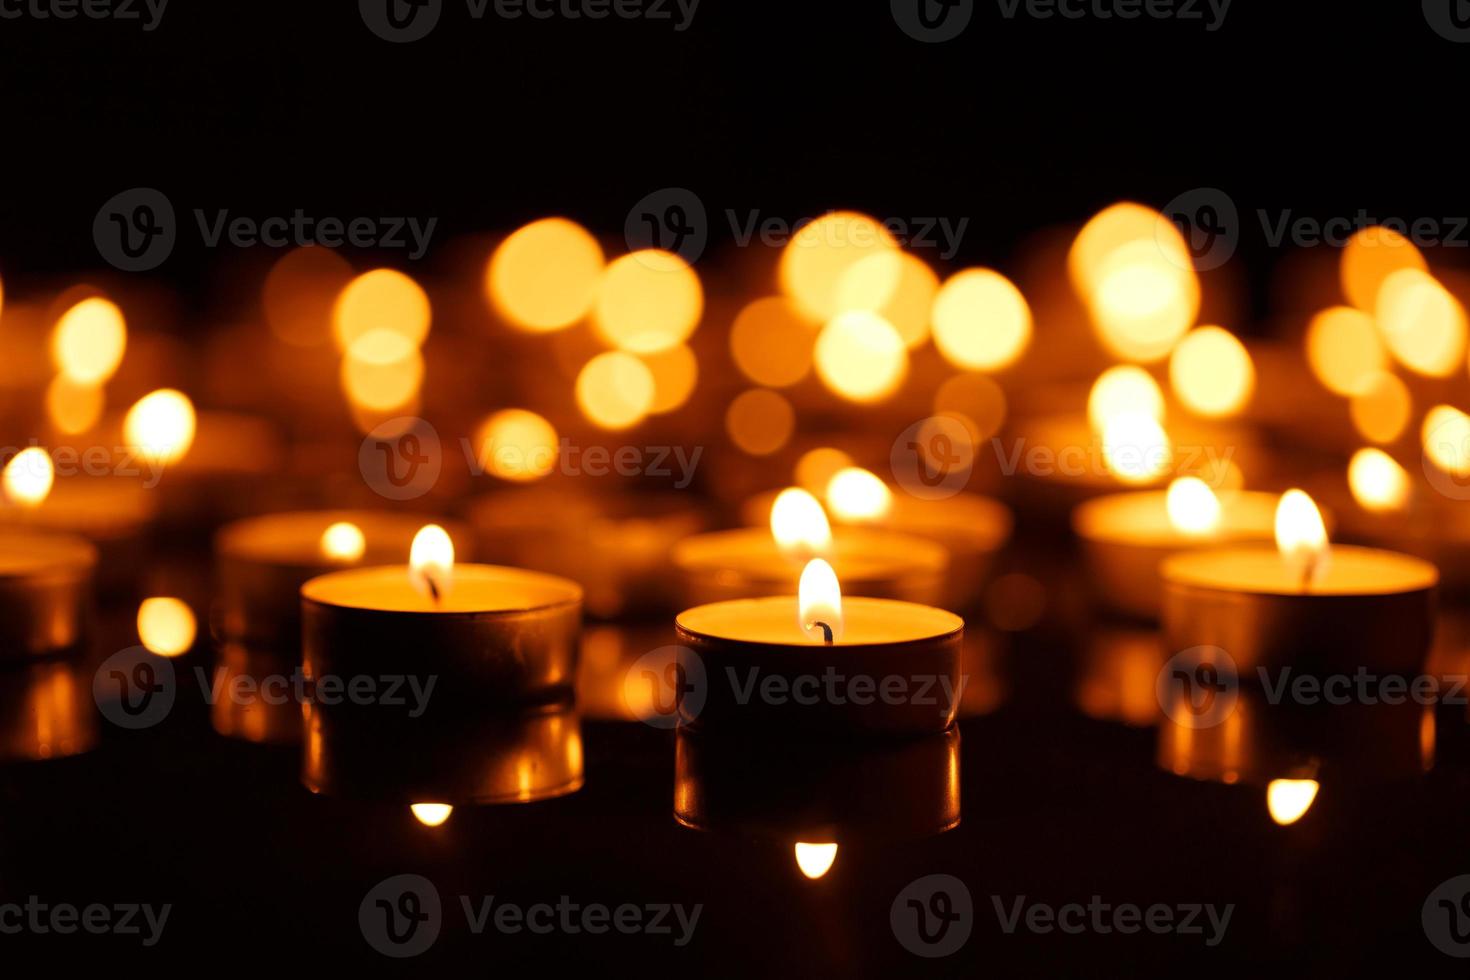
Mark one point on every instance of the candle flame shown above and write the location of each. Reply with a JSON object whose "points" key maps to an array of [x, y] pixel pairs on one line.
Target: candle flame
{"points": [[1300, 535], [431, 814], [1136, 449], [799, 524], [819, 602], [88, 341], [815, 860], [166, 626], [1379, 484], [431, 561], [1290, 799], [854, 494], [344, 542], [1193, 507], [161, 425], [28, 477]]}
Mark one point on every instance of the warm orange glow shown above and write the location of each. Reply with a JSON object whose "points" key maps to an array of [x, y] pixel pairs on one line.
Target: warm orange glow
{"points": [[383, 299], [28, 477], [545, 275], [344, 542], [1378, 482], [1301, 536], [815, 860], [861, 357], [1193, 507], [856, 495], [816, 467], [1345, 350], [431, 814], [431, 561], [675, 375], [977, 400], [89, 340], [382, 371], [73, 408], [300, 292], [1124, 390], [166, 626], [818, 257], [1423, 325], [517, 445], [819, 603], [1211, 373], [161, 425], [799, 525], [981, 320], [1445, 436], [898, 286], [615, 390], [1370, 257], [647, 302], [771, 343], [1381, 411], [1288, 800], [760, 421], [1136, 448]]}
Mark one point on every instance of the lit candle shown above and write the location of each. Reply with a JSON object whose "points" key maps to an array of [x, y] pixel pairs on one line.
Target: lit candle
{"points": [[489, 637], [823, 663], [1304, 604], [1126, 537], [751, 562], [45, 593]]}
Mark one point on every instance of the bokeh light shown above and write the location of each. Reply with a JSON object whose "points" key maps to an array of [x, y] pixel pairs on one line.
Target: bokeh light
{"points": [[898, 286], [815, 860], [161, 425], [1446, 439], [1369, 258], [545, 275], [28, 477], [382, 371], [816, 467], [675, 375], [300, 293], [1211, 373], [771, 343], [431, 814], [1381, 411], [760, 421], [1136, 449], [647, 302], [1344, 350], [977, 400], [856, 495], [166, 626], [1423, 325], [343, 542], [383, 299], [615, 390], [1192, 506], [89, 340], [1122, 390], [1379, 484], [981, 320], [517, 445], [1288, 800], [74, 408], [861, 357], [815, 262]]}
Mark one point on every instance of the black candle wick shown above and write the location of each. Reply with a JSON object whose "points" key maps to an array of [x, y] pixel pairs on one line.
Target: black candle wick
{"points": [[826, 632], [433, 587]]}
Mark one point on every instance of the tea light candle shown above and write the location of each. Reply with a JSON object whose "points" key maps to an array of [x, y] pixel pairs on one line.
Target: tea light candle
{"points": [[45, 593], [751, 562], [819, 662], [1304, 604], [1126, 537]]}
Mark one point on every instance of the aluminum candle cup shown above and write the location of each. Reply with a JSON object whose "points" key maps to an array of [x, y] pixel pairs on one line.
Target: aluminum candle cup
{"points": [[1126, 537], [747, 563], [894, 671], [45, 594], [1370, 609], [47, 710]]}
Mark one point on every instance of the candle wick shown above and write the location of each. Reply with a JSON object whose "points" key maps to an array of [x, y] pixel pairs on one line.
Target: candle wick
{"points": [[826, 632], [433, 588], [1308, 572]]}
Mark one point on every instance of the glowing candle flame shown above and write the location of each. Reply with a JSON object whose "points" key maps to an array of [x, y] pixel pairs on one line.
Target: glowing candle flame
{"points": [[1301, 536], [854, 494], [1136, 449], [431, 561], [1290, 799], [431, 814], [1193, 507], [819, 602], [166, 626], [815, 860], [799, 524], [1378, 482], [88, 342], [1124, 390], [28, 477], [343, 542], [161, 425]]}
